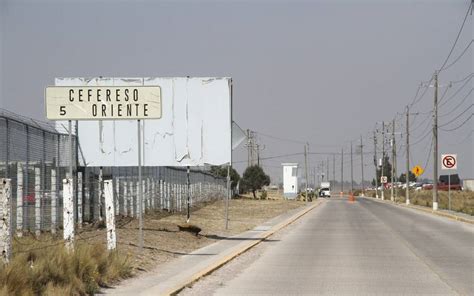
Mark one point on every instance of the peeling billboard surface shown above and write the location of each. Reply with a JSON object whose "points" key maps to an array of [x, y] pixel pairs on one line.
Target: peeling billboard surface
{"points": [[194, 130]]}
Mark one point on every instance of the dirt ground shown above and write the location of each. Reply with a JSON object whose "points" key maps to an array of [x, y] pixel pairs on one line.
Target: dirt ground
{"points": [[163, 241]]}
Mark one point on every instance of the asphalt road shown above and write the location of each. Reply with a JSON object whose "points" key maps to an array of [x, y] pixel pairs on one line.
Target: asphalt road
{"points": [[361, 248]]}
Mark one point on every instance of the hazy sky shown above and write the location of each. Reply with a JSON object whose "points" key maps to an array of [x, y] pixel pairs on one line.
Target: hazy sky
{"points": [[318, 71]]}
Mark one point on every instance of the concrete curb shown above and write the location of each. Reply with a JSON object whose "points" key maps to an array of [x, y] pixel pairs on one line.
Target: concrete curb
{"points": [[215, 265], [427, 210]]}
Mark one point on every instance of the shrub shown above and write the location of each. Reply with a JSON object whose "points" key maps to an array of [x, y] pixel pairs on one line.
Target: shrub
{"points": [[47, 268]]}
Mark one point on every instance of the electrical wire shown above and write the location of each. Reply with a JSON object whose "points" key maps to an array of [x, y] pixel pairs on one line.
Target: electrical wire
{"points": [[459, 126], [458, 105], [456, 117], [441, 103], [460, 56], [456, 40]]}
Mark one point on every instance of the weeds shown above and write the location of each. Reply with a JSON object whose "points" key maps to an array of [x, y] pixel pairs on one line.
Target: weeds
{"points": [[47, 268]]}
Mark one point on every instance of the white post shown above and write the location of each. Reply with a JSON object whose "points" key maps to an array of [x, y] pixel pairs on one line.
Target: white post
{"points": [[161, 194], [131, 198], [54, 201], [68, 214], [19, 200], [168, 195], [5, 230], [146, 200], [117, 195], [125, 197], [37, 201], [110, 214], [79, 200], [101, 193], [137, 199], [87, 202], [153, 193]]}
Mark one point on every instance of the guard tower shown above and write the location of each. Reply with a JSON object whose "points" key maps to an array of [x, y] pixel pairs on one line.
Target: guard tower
{"points": [[290, 180]]}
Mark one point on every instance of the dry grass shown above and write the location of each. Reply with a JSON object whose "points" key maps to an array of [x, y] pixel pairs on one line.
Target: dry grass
{"points": [[164, 241], [45, 267], [461, 201]]}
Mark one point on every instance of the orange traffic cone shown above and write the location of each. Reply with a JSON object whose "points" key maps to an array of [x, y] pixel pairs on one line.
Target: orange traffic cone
{"points": [[351, 197]]}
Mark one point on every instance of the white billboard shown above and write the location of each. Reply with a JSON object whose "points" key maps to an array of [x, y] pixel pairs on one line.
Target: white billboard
{"points": [[102, 102], [194, 128]]}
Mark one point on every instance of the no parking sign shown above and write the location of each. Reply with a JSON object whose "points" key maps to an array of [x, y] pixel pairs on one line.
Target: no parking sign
{"points": [[449, 162]]}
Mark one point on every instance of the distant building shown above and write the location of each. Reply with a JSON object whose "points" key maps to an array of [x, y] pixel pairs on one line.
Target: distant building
{"points": [[468, 184], [290, 180]]}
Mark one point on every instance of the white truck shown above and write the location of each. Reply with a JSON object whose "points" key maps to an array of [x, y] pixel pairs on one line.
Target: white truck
{"points": [[325, 190]]}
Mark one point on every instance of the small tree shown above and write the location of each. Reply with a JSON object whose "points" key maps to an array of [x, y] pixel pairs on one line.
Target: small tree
{"points": [[221, 171], [254, 178], [411, 177]]}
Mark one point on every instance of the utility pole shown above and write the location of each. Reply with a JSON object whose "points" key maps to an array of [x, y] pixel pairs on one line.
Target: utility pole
{"points": [[394, 161], [435, 144], [327, 169], [352, 173], [342, 171], [362, 165], [407, 173], [376, 166], [333, 171], [306, 170], [314, 177], [249, 148], [383, 158]]}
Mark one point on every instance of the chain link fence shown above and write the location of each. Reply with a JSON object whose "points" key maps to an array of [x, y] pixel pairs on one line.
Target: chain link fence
{"points": [[36, 157]]}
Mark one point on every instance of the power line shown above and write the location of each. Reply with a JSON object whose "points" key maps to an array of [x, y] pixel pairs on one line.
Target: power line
{"points": [[456, 40], [281, 139], [458, 105], [460, 56], [467, 79], [464, 79], [459, 126], [456, 117]]}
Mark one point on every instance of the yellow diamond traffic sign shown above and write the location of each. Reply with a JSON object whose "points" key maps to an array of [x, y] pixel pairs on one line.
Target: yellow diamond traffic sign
{"points": [[417, 171]]}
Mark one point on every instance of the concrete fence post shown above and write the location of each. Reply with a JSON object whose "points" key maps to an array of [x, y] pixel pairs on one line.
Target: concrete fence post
{"points": [[54, 202], [110, 214], [148, 193], [168, 195], [131, 198], [68, 214], [101, 194], [200, 191], [38, 194], [145, 195], [153, 193], [19, 199], [79, 200], [125, 197], [5, 221], [137, 207], [117, 196], [87, 197]]}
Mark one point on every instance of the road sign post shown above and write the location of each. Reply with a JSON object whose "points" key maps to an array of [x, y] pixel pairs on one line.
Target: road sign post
{"points": [[449, 162]]}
